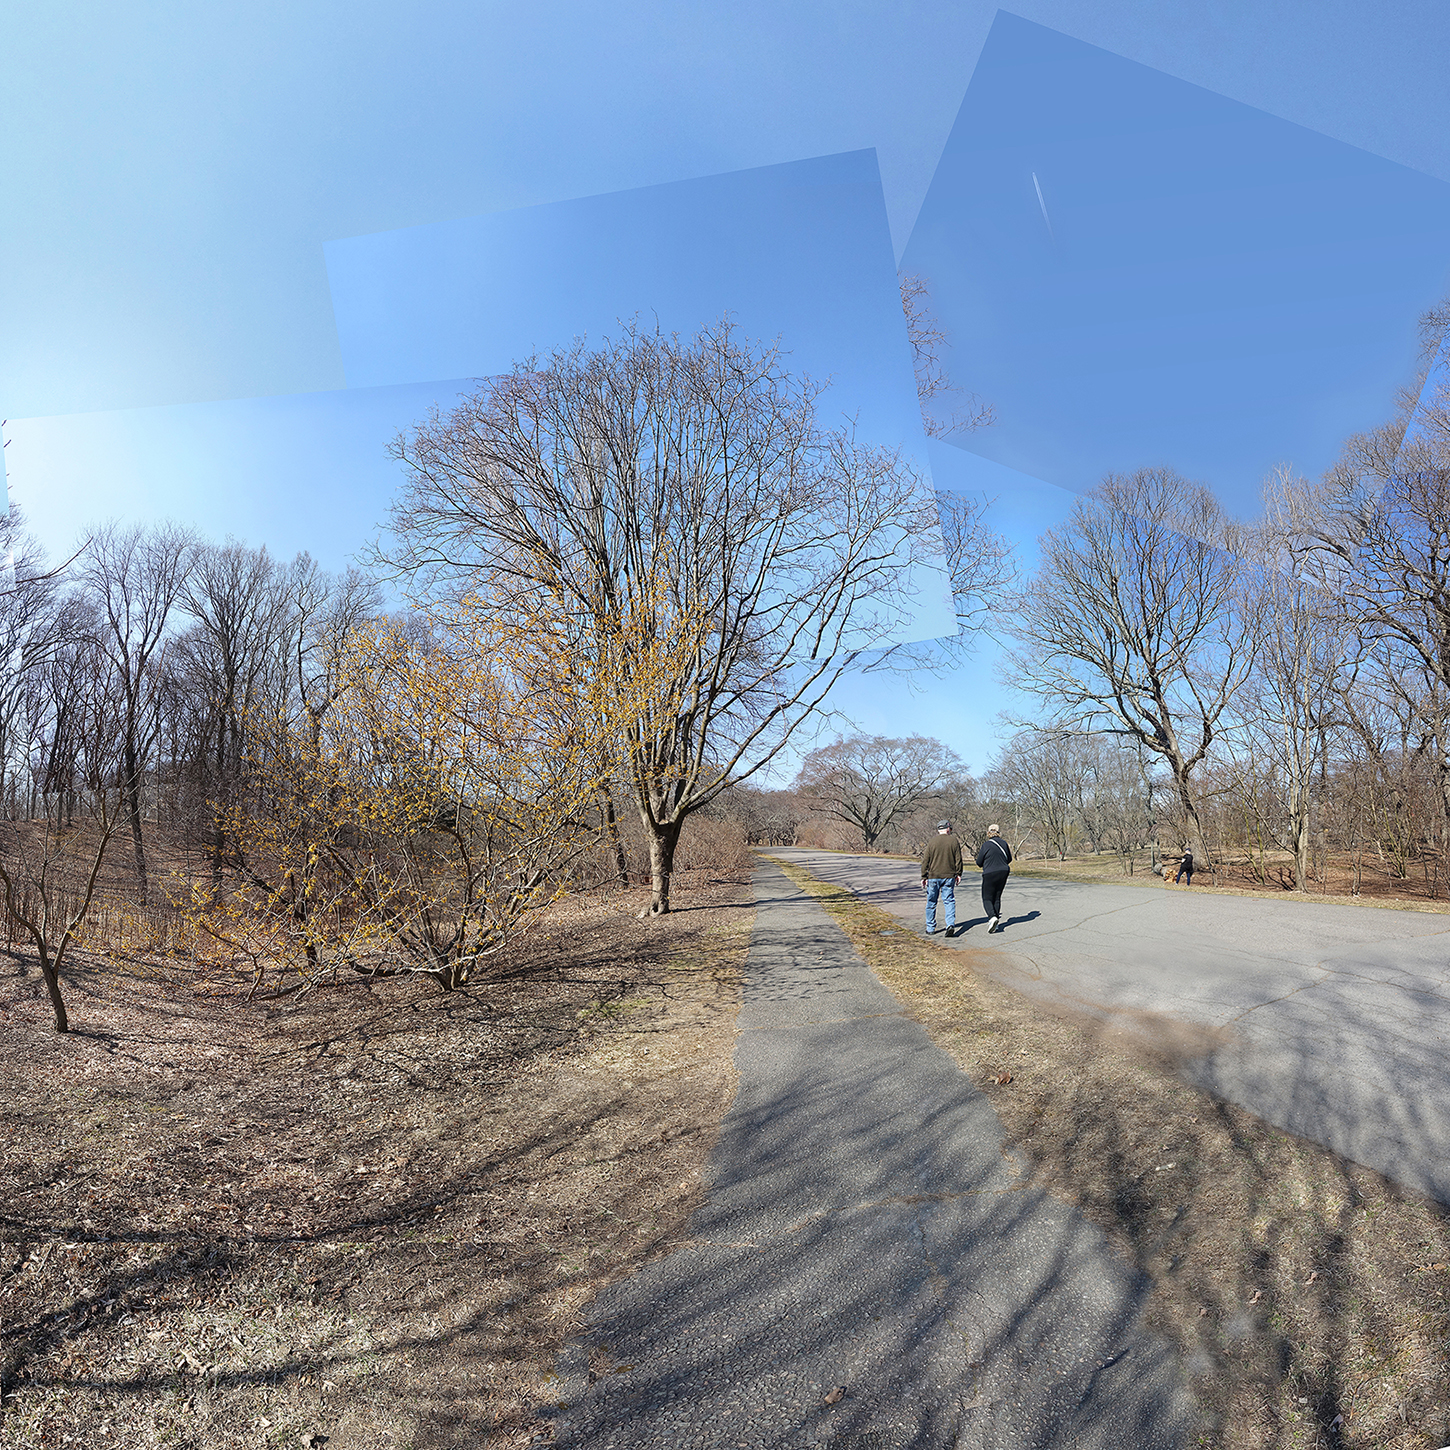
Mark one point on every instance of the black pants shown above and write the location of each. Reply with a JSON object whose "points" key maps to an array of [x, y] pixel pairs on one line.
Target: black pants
{"points": [[992, 892], [1182, 872]]}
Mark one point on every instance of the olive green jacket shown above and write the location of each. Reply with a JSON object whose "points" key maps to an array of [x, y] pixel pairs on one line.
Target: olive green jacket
{"points": [[943, 858]]}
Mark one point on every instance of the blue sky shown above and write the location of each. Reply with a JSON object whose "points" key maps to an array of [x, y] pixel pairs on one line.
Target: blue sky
{"points": [[800, 252], [295, 471], [175, 175], [173, 172], [1139, 272]]}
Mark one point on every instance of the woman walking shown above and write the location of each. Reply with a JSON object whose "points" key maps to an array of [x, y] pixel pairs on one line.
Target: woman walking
{"points": [[994, 856]]}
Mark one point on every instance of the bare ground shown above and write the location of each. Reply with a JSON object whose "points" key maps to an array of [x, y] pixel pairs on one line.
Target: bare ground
{"points": [[1310, 1296], [367, 1215]]}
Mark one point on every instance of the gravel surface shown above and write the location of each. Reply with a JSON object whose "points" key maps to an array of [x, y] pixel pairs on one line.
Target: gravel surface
{"points": [[1330, 1021], [868, 1269]]}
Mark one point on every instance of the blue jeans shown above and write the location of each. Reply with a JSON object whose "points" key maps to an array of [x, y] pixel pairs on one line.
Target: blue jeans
{"points": [[946, 888]]}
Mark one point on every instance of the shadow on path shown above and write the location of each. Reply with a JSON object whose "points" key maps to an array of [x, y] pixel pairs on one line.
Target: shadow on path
{"points": [[1329, 1021], [865, 1229]]}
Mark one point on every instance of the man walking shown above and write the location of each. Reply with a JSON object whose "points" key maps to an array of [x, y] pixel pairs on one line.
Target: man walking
{"points": [[995, 858], [1185, 866], [941, 869]]}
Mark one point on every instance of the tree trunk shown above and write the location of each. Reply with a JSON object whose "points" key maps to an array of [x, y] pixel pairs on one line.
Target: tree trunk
{"points": [[34, 918], [1192, 824], [219, 813], [131, 789], [52, 985], [1301, 840], [616, 841], [449, 975], [1443, 770], [662, 842]]}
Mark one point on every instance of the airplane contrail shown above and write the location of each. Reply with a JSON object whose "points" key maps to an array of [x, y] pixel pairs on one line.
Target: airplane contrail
{"points": [[1043, 205]]}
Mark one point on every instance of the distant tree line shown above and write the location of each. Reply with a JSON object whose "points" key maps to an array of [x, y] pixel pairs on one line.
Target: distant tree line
{"points": [[623, 579], [631, 577], [1276, 691], [1288, 678]]}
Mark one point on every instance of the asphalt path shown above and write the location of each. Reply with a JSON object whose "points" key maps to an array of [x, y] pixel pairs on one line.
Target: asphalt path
{"points": [[1330, 1021], [866, 1229]]}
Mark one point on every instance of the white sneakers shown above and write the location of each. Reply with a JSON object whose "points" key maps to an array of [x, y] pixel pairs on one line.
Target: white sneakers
{"points": [[992, 925]]}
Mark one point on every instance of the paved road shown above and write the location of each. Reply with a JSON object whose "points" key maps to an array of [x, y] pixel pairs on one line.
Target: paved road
{"points": [[1330, 1021], [865, 1227]]}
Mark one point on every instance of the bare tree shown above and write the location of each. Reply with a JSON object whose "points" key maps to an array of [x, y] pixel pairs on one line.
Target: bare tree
{"points": [[19, 553], [1383, 519], [979, 560], [134, 578], [323, 610], [1391, 778], [1121, 799], [49, 867], [78, 724], [314, 624], [871, 782], [958, 801], [49, 874], [663, 486], [767, 817], [1434, 325], [1043, 772], [36, 621], [1130, 627], [232, 660], [928, 342], [1291, 702]]}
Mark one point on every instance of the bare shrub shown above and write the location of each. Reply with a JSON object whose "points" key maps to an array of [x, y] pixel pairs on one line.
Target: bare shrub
{"points": [[707, 844]]}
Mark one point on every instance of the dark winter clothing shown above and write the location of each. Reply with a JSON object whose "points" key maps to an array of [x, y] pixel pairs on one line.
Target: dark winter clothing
{"points": [[992, 894], [994, 856], [1185, 868]]}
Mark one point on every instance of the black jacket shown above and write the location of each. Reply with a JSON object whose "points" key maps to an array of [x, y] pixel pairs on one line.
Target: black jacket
{"points": [[994, 856]]}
